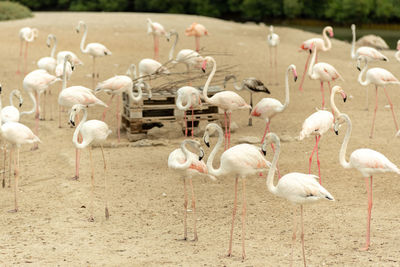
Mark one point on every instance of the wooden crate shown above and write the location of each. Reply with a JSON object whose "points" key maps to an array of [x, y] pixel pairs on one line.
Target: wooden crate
{"points": [[139, 117]]}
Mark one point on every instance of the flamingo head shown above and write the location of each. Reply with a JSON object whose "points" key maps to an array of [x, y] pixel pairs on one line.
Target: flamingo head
{"points": [[18, 95], [293, 68], [204, 64], [35, 33], [339, 90], [329, 29], [81, 23], [353, 27], [74, 111], [269, 139], [227, 78], [359, 59], [210, 130], [398, 45]]}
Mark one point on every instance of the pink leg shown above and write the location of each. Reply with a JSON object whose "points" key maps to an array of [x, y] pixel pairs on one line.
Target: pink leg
{"points": [[391, 107], [185, 204], [312, 154], [26, 59], [369, 192], [36, 146], [304, 73], [276, 65], [94, 73], [186, 124], [229, 131], [194, 212], [323, 96], [294, 235], [20, 57], [4, 165], [106, 109], [118, 120], [318, 163], [302, 235], [265, 132], [156, 44], [197, 40], [376, 108], [226, 131], [233, 217], [16, 178], [77, 153], [192, 120], [244, 219]]}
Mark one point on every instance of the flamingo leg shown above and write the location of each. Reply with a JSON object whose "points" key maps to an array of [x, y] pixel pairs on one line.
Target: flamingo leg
{"points": [[107, 214], [94, 73], [10, 166], [186, 124], [368, 185], [26, 58], [36, 146], [43, 115], [318, 163], [251, 105], [229, 131], [244, 218], [376, 108], [270, 65], [323, 96], [293, 235], [185, 204], [226, 132], [302, 235], [304, 73], [391, 107], [233, 217], [156, 45], [194, 212], [265, 132], [16, 177], [366, 99], [197, 40], [77, 153], [91, 218], [106, 109], [4, 165], [192, 120], [20, 57], [312, 154], [276, 65], [118, 120], [59, 116]]}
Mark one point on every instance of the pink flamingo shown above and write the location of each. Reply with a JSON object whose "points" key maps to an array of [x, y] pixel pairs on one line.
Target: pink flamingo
{"points": [[17, 134], [74, 59], [35, 83], [93, 132], [378, 77], [367, 161], [49, 63], [323, 72], [157, 30], [188, 164], [226, 100], [92, 49], [241, 160], [116, 86], [27, 35], [188, 98], [319, 123], [273, 42], [190, 58], [72, 95], [298, 188], [197, 30], [323, 44]]}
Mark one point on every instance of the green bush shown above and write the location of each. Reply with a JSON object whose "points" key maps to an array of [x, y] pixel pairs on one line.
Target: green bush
{"points": [[9, 11]]}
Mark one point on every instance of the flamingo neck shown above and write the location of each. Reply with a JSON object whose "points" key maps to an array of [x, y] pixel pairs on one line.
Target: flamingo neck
{"points": [[343, 149], [179, 102], [235, 85], [270, 177], [333, 105], [364, 69], [171, 52], [53, 50], [139, 96], [210, 168], [311, 73], [11, 98], [132, 71], [327, 41], [76, 133], [32, 97], [188, 162], [353, 44], [83, 38], [286, 91], [205, 89], [64, 76]]}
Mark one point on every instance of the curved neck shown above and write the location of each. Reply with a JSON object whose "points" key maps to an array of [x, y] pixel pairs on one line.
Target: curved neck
{"points": [[310, 68], [205, 89], [333, 105], [31, 36], [139, 96], [132, 71], [327, 42], [171, 52], [32, 97], [343, 149], [286, 90], [211, 170], [188, 162], [83, 37], [11, 98], [271, 172], [76, 133], [353, 44], [64, 76], [179, 102], [364, 69]]}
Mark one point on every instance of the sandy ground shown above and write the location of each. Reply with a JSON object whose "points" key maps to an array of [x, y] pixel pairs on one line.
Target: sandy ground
{"points": [[146, 198]]}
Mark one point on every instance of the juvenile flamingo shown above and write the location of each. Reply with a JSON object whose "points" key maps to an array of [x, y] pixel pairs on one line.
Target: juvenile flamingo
{"points": [[319, 123], [17, 134], [92, 49], [378, 77], [27, 35], [268, 107], [241, 160], [157, 30], [252, 85], [273, 42], [197, 30], [93, 132], [367, 161], [323, 44], [49, 63], [226, 100], [298, 188], [188, 98], [188, 164], [323, 72]]}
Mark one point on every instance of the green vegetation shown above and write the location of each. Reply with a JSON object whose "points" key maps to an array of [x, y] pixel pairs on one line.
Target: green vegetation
{"points": [[338, 11], [9, 11]]}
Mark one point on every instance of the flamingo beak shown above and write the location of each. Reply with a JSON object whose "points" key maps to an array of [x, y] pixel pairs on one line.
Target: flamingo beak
{"points": [[358, 68], [201, 154], [331, 34], [204, 65], [20, 104], [336, 132], [264, 152], [344, 96], [73, 123]]}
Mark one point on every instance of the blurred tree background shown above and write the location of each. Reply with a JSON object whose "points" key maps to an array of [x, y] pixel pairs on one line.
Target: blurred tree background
{"points": [[337, 11]]}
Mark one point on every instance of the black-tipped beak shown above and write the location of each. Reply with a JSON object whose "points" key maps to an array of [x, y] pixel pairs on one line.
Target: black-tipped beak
{"points": [[384, 59], [344, 99], [20, 104], [336, 132], [309, 50], [295, 78], [72, 67], [73, 123], [207, 144], [358, 68], [48, 45], [0, 89], [204, 70], [264, 152]]}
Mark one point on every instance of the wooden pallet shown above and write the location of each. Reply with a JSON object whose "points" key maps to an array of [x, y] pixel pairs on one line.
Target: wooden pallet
{"points": [[138, 118]]}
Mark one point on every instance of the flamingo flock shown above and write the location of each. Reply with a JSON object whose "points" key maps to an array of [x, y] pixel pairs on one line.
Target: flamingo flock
{"points": [[240, 161]]}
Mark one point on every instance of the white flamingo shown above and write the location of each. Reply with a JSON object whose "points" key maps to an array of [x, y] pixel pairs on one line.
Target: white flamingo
{"points": [[27, 35], [273, 42], [298, 188], [93, 132], [74, 58], [188, 97], [49, 63], [367, 161], [241, 160], [188, 164], [370, 53]]}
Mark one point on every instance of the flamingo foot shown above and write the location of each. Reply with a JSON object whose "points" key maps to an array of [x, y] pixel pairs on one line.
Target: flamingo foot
{"points": [[366, 248], [91, 219], [195, 239], [35, 147], [107, 214], [18, 72], [75, 178], [13, 211], [229, 254]]}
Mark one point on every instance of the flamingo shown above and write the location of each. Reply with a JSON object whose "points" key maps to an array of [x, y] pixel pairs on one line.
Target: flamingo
{"points": [[116, 86], [298, 188], [93, 132], [397, 54], [197, 30], [323, 72], [323, 44], [273, 42], [27, 35], [72, 95], [190, 58], [92, 49], [49, 63], [17, 134], [157, 30], [267, 108], [367, 161], [188, 164], [378, 77], [241, 160], [252, 85], [74, 59], [35, 83], [226, 100], [319, 123], [150, 67], [370, 53], [188, 98], [69, 68]]}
